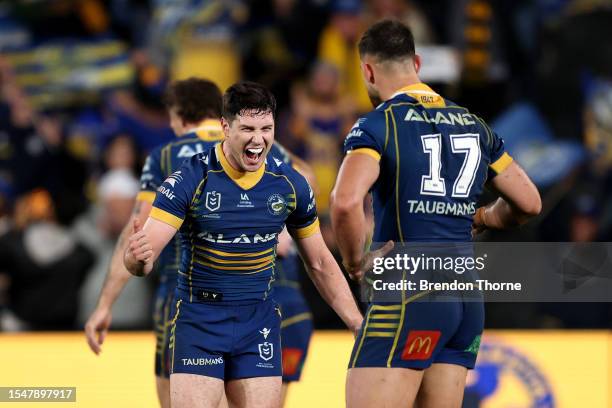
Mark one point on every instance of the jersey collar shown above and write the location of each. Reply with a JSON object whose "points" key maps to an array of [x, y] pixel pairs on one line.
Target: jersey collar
{"points": [[209, 130], [244, 179], [422, 93]]}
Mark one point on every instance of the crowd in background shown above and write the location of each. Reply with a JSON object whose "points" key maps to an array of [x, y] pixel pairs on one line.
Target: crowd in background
{"points": [[81, 85]]}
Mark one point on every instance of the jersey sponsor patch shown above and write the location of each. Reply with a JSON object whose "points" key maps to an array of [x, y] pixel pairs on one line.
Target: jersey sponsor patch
{"points": [[291, 360], [188, 151], [450, 118], [174, 178], [420, 344]]}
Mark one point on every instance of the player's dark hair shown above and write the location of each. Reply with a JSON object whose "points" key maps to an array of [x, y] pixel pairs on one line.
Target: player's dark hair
{"points": [[387, 40], [195, 99], [247, 96]]}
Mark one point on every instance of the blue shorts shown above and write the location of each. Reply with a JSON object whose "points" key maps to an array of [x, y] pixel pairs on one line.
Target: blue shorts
{"points": [[418, 333], [226, 340], [162, 318], [296, 330]]}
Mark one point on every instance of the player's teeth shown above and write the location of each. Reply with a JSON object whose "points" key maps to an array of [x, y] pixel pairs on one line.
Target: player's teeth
{"points": [[255, 151]]}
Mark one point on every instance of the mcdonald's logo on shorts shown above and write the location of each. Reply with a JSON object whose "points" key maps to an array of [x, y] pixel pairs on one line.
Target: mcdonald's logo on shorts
{"points": [[420, 344], [291, 360]]}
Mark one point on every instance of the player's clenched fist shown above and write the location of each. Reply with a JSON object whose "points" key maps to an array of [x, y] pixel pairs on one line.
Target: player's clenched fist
{"points": [[138, 258]]}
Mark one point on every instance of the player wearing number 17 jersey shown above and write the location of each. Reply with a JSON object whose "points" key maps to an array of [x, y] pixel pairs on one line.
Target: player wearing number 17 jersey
{"points": [[426, 161]]}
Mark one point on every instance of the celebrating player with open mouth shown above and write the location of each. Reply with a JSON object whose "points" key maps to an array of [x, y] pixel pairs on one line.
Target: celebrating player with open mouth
{"points": [[229, 204], [417, 146]]}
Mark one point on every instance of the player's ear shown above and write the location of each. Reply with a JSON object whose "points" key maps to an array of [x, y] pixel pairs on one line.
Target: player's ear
{"points": [[368, 72], [417, 63], [226, 127]]}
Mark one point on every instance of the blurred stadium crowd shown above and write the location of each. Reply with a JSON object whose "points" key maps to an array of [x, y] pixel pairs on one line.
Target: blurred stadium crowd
{"points": [[81, 83]]}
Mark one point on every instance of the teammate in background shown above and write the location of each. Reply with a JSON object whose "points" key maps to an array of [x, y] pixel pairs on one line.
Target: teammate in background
{"points": [[194, 107], [230, 204], [413, 150]]}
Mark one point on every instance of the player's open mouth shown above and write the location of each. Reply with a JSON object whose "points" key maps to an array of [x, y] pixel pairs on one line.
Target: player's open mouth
{"points": [[253, 155]]}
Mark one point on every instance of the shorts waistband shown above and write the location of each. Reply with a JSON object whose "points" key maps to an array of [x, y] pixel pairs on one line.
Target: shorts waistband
{"points": [[185, 296]]}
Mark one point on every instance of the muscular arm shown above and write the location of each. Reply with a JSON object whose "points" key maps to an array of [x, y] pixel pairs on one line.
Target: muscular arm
{"points": [[357, 174], [519, 201], [327, 277], [117, 277], [145, 245]]}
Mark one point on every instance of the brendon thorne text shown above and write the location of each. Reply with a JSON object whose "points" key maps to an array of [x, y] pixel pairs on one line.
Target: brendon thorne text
{"points": [[455, 285]]}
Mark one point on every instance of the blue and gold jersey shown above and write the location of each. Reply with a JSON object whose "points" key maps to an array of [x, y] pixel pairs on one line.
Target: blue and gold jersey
{"points": [[163, 161], [434, 159], [229, 222]]}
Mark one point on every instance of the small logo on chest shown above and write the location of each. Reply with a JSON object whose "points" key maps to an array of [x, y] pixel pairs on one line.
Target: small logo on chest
{"points": [[213, 200], [276, 204], [245, 201]]}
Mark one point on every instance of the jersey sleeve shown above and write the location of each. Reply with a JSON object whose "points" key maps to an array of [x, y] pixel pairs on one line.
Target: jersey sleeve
{"points": [[499, 158], [366, 137], [303, 220], [151, 177], [174, 196], [494, 149]]}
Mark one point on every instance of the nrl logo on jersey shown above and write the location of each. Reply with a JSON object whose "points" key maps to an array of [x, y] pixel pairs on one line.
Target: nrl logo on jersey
{"points": [[213, 200], [449, 118]]}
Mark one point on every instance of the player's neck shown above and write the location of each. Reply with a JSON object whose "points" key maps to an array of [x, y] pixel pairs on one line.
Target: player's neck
{"points": [[225, 149], [206, 124], [393, 84]]}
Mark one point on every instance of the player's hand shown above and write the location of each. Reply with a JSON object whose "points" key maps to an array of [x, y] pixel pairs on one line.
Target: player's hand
{"points": [[356, 327], [358, 271], [478, 223], [97, 327], [139, 253]]}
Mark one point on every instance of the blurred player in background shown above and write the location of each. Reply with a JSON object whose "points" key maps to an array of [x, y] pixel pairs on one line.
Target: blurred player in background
{"points": [[417, 147], [194, 107], [230, 203]]}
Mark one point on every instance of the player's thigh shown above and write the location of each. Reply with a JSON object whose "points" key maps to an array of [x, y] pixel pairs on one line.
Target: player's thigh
{"points": [[195, 391], [259, 392], [162, 384], [163, 315], [369, 387], [442, 386]]}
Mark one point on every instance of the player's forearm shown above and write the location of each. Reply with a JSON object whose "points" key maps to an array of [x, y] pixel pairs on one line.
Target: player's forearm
{"points": [[349, 223], [333, 287], [117, 275]]}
